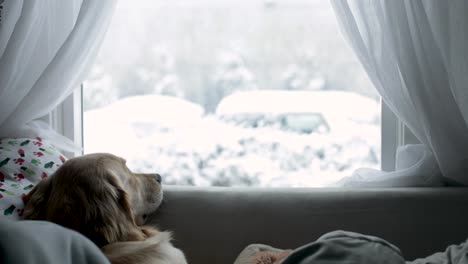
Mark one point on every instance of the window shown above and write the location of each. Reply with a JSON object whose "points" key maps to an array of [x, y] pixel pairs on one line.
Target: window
{"points": [[234, 93]]}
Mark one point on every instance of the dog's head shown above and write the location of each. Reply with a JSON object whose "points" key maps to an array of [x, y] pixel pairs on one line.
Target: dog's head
{"points": [[98, 196]]}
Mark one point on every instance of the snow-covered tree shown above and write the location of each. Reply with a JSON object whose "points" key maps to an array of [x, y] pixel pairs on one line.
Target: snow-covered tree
{"points": [[99, 89], [304, 74], [232, 74]]}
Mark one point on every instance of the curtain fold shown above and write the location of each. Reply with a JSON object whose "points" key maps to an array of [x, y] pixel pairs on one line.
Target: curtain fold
{"points": [[46, 48], [415, 53]]}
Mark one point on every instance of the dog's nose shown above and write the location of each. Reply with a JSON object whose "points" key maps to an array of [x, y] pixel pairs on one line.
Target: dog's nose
{"points": [[158, 178]]}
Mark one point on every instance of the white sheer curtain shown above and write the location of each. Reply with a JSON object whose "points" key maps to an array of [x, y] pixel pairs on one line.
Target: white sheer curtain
{"points": [[416, 54], [46, 48]]}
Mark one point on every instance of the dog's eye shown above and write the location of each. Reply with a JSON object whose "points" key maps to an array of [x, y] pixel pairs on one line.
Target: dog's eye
{"points": [[145, 216]]}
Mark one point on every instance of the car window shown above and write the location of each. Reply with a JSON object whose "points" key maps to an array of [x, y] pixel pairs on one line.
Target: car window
{"points": [[306, 123]]}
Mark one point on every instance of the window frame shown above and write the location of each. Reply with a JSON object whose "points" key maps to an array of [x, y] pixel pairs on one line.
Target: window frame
{"points": [[390, 137], [394, 133], [67, 120]]}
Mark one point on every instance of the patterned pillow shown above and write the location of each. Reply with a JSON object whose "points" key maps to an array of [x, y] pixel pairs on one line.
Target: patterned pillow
{"points": [[23, 163]]}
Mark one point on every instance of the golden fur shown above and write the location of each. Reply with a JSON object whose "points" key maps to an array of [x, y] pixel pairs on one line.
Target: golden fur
{"points": [[98, 196]]}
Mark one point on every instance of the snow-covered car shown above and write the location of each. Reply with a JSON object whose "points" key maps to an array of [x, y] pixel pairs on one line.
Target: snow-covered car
{"points": [[292, 138], [160, 110], [120, 126], [299, 111]]}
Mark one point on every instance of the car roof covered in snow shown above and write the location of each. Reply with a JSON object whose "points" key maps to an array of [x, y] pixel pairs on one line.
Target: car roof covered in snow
{"points": [[336, 103], [162, 109]]}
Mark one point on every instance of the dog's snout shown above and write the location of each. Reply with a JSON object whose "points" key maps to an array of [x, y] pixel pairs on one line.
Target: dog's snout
{"points": [[158, 178]]}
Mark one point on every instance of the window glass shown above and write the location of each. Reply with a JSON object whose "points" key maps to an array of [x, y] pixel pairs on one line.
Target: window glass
{"points": [[231, 93]]}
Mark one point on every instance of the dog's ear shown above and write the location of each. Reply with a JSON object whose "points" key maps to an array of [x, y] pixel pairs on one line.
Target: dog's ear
{"points": [[35, 202], [94, 203], [115, 216]]}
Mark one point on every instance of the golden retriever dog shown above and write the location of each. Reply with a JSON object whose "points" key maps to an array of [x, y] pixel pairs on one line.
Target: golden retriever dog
{"points": [[98, 196]]}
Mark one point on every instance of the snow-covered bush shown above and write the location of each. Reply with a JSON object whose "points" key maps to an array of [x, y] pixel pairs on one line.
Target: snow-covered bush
{"points": [[215, 153]]}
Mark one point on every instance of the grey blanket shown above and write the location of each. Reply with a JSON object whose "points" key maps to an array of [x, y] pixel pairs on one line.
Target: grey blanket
{"points": [[346, 247], [28, 242], [353, 248], [454, 254]]}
